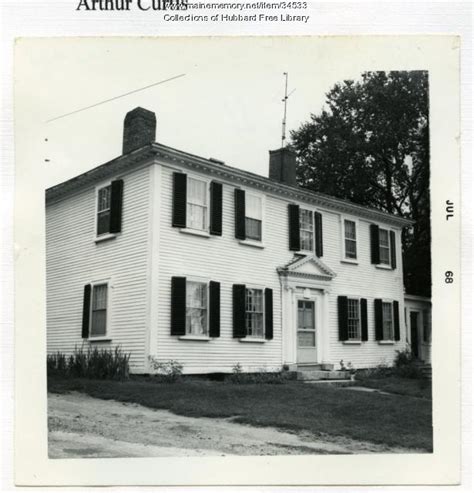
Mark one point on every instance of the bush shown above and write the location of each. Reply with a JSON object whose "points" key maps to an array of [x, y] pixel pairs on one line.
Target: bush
{"points": [[260, 377], [167, 371], [405, 365], [93, 363]]}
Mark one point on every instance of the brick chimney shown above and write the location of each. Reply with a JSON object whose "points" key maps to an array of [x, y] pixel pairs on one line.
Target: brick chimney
{"points": [[139, 129], [283, 166]]}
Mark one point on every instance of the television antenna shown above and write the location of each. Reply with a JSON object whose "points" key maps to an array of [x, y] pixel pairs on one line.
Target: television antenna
{"points": [[284, 101]]}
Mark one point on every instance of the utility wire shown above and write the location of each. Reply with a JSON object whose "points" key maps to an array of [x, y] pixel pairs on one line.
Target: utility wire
{"points": [[116, 97]]}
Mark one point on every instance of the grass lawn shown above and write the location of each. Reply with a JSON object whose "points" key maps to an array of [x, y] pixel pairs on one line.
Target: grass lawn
{"points": [[396, 385], [394, 420]]}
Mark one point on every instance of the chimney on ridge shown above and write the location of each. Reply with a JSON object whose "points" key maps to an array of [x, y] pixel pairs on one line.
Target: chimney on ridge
{"points": [[283, 166], [139, 129]]}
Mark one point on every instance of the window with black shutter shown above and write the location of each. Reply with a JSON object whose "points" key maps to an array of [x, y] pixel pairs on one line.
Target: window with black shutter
{"points": [[238, 310], [318, 227], [109, 208], [374, 244], [179, 200], [216, 209], [214, 309], [268, 313], [294, 226], [342, 317], [178, 306]]}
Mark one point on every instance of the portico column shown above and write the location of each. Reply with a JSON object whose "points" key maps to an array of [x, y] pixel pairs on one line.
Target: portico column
{"points": [[325, 328]]}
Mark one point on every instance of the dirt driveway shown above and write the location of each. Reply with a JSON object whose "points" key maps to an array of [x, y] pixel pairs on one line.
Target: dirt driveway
{"points": [[82, 426]]}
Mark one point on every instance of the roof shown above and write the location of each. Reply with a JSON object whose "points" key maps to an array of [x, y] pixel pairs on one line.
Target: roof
{"points": [[150, 152]]}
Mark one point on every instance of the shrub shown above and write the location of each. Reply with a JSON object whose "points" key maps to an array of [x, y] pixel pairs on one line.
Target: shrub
{"points": [[262, 376], [93, 363], [167, 371], [403, 358], [405, 365]]}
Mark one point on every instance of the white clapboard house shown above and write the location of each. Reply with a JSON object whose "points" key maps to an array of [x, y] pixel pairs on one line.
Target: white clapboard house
{"points": [[178, 257]]}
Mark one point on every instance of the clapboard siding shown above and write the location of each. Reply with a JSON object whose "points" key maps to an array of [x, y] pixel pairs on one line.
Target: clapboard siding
{"points": [[74, 259], [226, 260]]}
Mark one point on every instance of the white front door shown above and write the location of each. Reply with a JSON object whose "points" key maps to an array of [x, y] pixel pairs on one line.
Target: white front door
{"points": [[306, 332]]}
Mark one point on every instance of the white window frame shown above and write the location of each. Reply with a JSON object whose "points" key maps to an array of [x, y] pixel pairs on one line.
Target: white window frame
{"points": [[188, 229], [359, 328], [389, 262], [254, 337], [249, 241], [106, 336], [392, 339], [103, 236], [205, 336], [344, 258], [305, 250]]}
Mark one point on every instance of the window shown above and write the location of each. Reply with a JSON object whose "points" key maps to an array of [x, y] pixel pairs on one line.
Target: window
{"points": [[196, 204], [384, 246], [350, 239], [353, 319], [253, 217], [306, 230], [99, 311], [196, 308], [254, 312], [387, 317], [103, 210]]}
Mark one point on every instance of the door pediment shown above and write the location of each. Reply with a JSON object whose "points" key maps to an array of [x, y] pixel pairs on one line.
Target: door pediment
{"points": [[309, 267]]}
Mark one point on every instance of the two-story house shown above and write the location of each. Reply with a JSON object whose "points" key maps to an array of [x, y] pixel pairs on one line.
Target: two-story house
{"points": [[175, 256]]}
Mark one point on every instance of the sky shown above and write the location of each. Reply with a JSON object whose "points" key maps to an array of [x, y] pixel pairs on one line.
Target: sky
{"points": [[228, 105]]}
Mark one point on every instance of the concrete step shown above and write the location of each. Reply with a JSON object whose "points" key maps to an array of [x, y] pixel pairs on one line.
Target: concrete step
{"points": [[322, 375]]}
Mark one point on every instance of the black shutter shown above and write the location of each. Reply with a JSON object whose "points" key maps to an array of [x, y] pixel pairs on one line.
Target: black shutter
{"points": [[214, 309], [294, 226], [378, 320], [374, 244], [238, 310], [342, 317], [116, 199], [393, 251], [178, 306], [318, 229], [363, 320], [239, 205], [396, 320], [268, 313], [179, 200], [216, 209], [86, 310]]}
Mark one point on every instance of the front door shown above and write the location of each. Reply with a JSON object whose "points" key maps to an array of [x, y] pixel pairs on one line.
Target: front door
{"points": [[306, 334], [414, 333]]}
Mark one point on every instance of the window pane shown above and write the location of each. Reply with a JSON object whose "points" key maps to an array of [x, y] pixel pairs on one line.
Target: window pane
{"points": [[383, 237], [197, 191], [99, 300], [103, 199], [384, 255], [99, 320], [351, 249], [253, 229], [103, 222], [353, 319], [350, 229], [196, 217], [253, 207], [306, 219], [306, 339]]}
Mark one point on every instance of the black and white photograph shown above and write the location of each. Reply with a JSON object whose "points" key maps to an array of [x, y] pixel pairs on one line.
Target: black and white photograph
{"points": [[237, 247], [257, 286]]}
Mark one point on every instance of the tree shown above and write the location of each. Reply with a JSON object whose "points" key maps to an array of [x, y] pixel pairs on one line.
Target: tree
{"points": [[370, 144]]}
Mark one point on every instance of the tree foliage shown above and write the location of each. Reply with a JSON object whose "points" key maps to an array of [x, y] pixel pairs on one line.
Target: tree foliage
{"points": [[370, 144]]}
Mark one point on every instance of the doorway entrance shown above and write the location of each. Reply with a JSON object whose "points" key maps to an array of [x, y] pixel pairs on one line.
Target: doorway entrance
{"points": [[306, 332]]}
